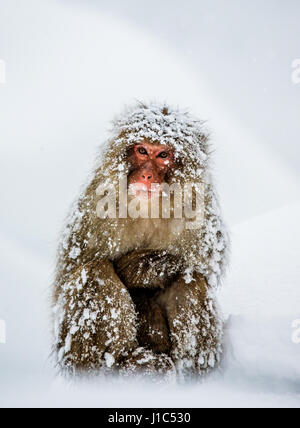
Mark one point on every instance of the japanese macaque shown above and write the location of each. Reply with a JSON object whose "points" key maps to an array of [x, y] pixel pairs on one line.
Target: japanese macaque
{"points": [[136, 293]]}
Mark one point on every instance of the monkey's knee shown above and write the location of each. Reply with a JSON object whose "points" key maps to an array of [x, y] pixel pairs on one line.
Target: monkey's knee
{"points": [[98, 320], [195, 326]]}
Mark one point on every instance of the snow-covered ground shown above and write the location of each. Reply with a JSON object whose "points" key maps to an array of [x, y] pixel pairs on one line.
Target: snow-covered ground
{"points": [[262, 295], [63, 86]]}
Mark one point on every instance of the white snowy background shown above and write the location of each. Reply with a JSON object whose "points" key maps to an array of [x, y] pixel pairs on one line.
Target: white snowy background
{"points": [[70, 66]]}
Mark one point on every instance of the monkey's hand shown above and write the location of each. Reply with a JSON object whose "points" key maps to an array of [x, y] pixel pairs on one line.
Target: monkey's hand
{"points": [[152, 366], [195, 328]]}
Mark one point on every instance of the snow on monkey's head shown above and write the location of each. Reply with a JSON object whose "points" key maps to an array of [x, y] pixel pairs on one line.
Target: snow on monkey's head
{"points": [[171, 142]]}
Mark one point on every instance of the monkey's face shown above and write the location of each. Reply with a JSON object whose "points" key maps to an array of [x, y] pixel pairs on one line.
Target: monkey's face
{"points": [[150, 164]]}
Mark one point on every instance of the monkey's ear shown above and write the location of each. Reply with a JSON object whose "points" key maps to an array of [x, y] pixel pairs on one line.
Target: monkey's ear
{"points": [[165, 111], [130, 151]]}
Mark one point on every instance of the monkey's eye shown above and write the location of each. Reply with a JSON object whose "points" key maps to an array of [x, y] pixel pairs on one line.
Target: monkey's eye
{"points": [[142, 151], [163, 155]]}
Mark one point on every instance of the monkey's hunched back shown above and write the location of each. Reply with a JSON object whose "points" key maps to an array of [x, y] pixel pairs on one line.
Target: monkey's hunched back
{"points": [[136, 295]]}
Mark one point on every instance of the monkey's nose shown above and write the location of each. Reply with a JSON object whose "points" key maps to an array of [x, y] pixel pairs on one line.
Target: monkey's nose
{"points": [[147, 176]]}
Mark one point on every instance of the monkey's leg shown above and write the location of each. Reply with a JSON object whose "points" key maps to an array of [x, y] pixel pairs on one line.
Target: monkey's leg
{"points": [[150, 359], [152, 332], [96, 319], [195, 327]]}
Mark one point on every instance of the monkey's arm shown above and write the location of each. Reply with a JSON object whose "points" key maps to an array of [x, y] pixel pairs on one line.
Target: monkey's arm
{"points": [[195, 328], [147, 269], [95, 318]]}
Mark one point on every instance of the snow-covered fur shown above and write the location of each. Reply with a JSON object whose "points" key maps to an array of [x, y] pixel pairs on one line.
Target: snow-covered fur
{"points": [[96, 316]]}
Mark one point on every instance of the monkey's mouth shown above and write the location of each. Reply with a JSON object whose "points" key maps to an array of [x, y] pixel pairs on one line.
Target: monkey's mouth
{"points": [[143, 191]]}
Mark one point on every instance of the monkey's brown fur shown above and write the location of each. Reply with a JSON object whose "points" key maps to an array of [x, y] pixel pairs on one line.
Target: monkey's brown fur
{"points": [[136, 295]]}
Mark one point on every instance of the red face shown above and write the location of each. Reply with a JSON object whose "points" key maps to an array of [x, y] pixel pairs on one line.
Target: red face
{"points": [[150, 165]]}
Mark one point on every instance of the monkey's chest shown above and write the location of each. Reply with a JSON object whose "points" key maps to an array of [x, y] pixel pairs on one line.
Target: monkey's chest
{"points": [[147, 269]]}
